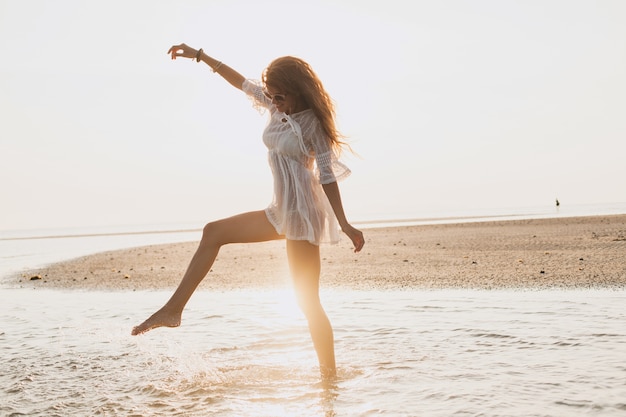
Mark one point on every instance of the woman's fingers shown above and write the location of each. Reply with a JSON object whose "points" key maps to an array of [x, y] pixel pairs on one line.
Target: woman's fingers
{"points": [[178, 50], [360, 242], [357, 239]]}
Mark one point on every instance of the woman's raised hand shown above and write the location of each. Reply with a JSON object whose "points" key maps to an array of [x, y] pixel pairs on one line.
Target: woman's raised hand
{"points": [[182, 50]]}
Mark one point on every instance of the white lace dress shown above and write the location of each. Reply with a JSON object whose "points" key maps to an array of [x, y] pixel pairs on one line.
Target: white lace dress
{"points": [[301, 160]]}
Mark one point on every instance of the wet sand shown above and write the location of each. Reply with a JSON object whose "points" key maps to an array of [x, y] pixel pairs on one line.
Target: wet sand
{"points": [[577, 252]]}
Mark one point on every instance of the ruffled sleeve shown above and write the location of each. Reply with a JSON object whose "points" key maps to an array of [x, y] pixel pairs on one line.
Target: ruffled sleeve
{"points": [[254, 91], [328, 168]]}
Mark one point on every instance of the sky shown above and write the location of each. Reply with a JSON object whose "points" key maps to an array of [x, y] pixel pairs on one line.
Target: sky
{"points": [[449, 106]]}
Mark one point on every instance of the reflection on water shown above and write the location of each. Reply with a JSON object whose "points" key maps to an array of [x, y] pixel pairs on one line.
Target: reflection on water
{"points": [[248, 353]]}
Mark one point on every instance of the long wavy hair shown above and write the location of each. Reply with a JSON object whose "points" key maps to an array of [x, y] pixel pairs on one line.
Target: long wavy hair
{"points": [[294, 76]]}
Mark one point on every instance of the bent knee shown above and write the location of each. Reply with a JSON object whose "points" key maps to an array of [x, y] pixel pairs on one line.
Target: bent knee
{"points": [[212, 234]]}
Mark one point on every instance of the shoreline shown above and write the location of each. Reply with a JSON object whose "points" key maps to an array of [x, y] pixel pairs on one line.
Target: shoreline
{"points": [[570, 252]]}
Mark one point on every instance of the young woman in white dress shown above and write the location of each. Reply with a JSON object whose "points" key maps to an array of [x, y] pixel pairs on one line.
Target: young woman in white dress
{"points": [[303, 147]]}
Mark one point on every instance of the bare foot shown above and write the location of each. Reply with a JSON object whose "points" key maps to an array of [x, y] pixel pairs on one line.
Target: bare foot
{"points": [[162, 318]]}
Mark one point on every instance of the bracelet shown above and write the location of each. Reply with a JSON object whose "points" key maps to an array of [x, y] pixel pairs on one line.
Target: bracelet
{"points": [[216, 67], [198, 54]]}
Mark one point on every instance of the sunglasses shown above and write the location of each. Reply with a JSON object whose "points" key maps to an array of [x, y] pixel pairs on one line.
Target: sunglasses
{"points": [[278, 97]]}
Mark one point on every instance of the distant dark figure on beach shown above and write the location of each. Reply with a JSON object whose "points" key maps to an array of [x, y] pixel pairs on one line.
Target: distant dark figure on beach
{"points": [[557, 202], [306, 210]]}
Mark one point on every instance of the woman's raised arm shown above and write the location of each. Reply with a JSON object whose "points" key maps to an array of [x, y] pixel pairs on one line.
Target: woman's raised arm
{"points": [[229, 74]]}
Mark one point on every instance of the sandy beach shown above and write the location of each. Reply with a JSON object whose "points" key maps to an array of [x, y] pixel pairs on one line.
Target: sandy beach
{"points": [[576, 252]]}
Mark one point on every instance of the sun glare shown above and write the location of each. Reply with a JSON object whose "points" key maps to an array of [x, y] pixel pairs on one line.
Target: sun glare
{"points": [[286, 304]]}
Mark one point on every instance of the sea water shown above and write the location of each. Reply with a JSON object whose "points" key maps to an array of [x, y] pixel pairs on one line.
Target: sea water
{"points": [[248, 353]]}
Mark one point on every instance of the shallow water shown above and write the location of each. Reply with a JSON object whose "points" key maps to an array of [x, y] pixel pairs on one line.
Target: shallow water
{"points": [[248, 353]]}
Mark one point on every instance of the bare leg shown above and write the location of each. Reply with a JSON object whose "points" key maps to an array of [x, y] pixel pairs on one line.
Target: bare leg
{"points": [[304, 263], [243, 228]]}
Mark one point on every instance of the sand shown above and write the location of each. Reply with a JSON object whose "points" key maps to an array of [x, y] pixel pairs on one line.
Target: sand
{"points": [[577, 252]]}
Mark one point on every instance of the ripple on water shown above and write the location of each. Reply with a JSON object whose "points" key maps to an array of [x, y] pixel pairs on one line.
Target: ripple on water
{"points": [[432, 353]]}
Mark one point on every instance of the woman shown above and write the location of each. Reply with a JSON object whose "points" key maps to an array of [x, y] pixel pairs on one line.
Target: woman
{"points": [[303, 145]]}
